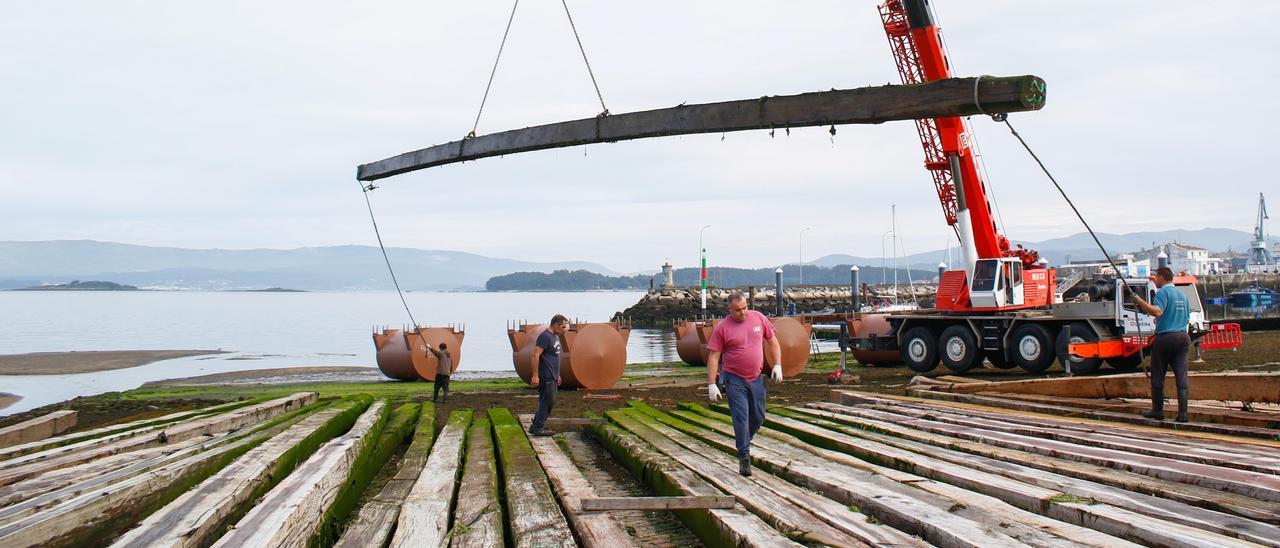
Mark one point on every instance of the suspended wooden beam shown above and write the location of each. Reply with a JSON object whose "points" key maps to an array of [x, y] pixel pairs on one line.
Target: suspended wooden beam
{"points": [[869, 105]]}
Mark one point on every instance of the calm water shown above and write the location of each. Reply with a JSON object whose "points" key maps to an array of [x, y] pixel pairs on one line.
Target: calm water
{"points": [[267, 330]]}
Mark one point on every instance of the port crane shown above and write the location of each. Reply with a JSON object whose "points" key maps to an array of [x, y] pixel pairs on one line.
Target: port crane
{"points": [[1258, 252], [1005, 305]]}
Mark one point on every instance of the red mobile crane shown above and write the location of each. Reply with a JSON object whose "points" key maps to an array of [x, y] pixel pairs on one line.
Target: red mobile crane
{"points": [[1005, 305]]}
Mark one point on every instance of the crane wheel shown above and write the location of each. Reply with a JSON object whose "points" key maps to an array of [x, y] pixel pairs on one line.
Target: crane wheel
{"points": [[1126, 364], [1032, 348], [1077, 333], [919, 349], [959, 348]]}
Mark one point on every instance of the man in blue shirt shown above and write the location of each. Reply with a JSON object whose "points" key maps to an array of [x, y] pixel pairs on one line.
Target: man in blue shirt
{"points": [[546, 376], [1169, 351]]}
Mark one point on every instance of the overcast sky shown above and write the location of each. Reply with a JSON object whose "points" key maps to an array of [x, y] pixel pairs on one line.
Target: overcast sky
{"points": [[239, 124]]}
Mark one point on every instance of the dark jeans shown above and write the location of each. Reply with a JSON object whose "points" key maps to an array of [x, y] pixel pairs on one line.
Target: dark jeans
{"points": [[546, 401], [746, 407], [442, 383], [1168, 352]]}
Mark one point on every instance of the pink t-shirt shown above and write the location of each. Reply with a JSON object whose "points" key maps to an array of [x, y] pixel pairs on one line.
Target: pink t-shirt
{"points": [[741, 344]]}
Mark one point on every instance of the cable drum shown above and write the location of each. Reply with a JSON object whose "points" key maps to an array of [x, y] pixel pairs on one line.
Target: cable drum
{"points": [[425, 363], [393, 355], [593, 356], [690, 341], [793, 338]]}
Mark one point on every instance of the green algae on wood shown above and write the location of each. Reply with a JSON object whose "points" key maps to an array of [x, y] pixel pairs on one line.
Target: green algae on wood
{"points": [[533, 517], [478, 518]]}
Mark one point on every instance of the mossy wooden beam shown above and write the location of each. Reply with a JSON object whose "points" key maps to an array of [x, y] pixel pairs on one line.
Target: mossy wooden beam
{"points": [[533, 517], [1154, 511], [715, 527], [39, 428], [96, 514], [868, 105], [593, 529], [477, 519], [292, 512], [424, 516], [198, 517], [373, 525]]}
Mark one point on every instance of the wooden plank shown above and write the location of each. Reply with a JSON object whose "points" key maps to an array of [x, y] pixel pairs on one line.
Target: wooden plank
{"points": [[1244, 447], [1102, 517], [1140, 483], [869, 105], [608, 504], [941, 514], [571, 487], [803, 516], [95, 514], [424, 516], [170, 434], [292, 511], [478, 517], [373, 525], [69, 442], [716, 527], [199, 515], [533, 517], [1195, 411], [571, 422], [1161, 509], [1267, 434], [1242, 387], [37, 429]]}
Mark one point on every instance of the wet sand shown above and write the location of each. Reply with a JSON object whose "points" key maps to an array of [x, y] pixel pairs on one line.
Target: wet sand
{"points": [[280, 375], [66, 363], [7, 399]]}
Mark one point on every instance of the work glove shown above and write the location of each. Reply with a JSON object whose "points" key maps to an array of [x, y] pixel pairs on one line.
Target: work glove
{"points": [[713, 393], [776, 375]]}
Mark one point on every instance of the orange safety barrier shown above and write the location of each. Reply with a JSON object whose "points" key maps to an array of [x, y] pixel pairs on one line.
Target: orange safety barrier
{"points": [[1222, 335]]}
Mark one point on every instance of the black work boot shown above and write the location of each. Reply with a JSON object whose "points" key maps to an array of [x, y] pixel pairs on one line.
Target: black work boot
{"points": [[1157, 406], [1182, 405], [744, 466]]}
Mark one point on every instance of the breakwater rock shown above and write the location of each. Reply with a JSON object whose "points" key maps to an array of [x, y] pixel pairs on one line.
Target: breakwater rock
{"points": [[659, 307]]}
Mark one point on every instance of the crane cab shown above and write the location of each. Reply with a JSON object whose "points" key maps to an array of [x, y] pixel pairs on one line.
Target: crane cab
{"points": [[997, 283]]}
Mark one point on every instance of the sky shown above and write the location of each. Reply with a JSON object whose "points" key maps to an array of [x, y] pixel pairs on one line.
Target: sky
{"points": [[239, 124]]}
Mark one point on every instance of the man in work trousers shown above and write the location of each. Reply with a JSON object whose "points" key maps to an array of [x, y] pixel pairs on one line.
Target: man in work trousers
{"points": [[1172, 342], [740, 339], [444, 367], [546, 376]]}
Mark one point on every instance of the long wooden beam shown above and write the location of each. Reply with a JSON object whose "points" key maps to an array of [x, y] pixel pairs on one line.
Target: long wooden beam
{"points": [[1244, 387], [869, 105]]}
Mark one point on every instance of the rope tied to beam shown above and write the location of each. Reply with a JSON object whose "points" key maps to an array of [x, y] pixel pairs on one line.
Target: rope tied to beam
{"points": [[604, 111]]}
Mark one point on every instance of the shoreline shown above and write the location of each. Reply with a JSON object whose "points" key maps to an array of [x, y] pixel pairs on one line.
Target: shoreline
{"points": [[7, 399], [93, 361]]}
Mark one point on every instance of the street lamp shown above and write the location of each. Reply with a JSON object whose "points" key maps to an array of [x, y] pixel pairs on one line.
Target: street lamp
{"points": [[806, 229], [702, 261]]}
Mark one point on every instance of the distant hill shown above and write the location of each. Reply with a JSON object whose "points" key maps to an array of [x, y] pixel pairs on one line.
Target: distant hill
{"points": [[1079, 246], [581, 280], [77, 285], [24, 264]]}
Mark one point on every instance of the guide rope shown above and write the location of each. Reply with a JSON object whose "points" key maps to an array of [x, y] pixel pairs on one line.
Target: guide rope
{"points": [[494, 72], [1123, 287], [604, 111], [365, 191]]}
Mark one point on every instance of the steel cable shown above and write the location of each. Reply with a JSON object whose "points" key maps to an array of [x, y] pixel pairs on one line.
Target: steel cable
{"points": [[365, 191], [494, 72], [604, 110]]}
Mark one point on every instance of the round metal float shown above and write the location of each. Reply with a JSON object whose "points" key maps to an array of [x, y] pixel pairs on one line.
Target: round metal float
{"points": [[689, 342], [425, 363], [866, 326], [394, 358], [793, 338], [592, 356]]}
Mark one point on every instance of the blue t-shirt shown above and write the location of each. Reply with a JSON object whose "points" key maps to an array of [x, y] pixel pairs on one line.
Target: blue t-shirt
{"points": [[549, 362], [1175, 312]]}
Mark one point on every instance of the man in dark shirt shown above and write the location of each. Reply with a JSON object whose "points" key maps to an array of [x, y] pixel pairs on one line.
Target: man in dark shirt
{"points": [[546, 376]]}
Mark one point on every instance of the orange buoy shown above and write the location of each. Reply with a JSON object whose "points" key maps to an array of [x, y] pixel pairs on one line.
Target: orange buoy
{"points": [[793, 339], [425, 363], [394, 358], [872, 326], [690, 343], [592, 356]]}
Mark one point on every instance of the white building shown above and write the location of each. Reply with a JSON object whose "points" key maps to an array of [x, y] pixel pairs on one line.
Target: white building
{"points": [[1184, 258]]}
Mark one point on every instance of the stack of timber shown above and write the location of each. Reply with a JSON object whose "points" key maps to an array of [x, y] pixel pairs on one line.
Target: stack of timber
{"points": [[38, 428]]}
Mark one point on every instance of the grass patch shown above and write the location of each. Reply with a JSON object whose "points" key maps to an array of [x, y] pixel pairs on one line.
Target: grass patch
{"points": [[1071, 499]]}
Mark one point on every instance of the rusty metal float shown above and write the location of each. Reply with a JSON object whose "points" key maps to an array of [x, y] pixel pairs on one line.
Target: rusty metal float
{"points": [[872, 327], [401, 355], [592, 356], [793, 337], [689, 341]]}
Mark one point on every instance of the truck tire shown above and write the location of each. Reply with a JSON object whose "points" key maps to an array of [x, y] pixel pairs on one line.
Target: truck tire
{"points": [[1076, 333], [1032, 348], [959, 348], [1126, 364], [920, 349]]}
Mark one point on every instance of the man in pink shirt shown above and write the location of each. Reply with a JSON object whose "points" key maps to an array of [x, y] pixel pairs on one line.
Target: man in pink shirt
{"points": [[740, 340]]}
